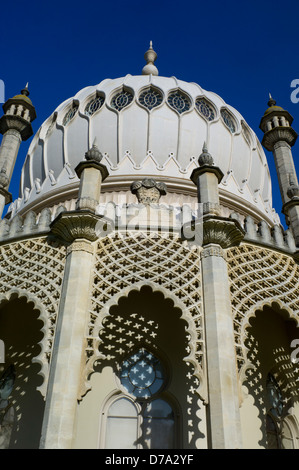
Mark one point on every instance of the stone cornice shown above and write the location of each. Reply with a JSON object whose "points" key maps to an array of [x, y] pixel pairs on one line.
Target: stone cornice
{"points": [[206, 169], [92, 164]]}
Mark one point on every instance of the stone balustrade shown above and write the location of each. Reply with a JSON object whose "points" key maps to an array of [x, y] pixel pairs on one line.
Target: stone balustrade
{"points": [[158, 216]]}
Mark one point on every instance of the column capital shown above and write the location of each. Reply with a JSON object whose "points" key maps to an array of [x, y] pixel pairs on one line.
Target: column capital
{"points": [[217, 230], [92, 164], [212, 250], [74, 225]]}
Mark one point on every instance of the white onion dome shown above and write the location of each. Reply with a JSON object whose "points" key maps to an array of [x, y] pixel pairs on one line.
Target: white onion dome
{"points": [[147, 126]]}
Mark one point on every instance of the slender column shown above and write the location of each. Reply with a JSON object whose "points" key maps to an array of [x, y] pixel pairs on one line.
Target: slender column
{"points": [[9, 149], [218, 233], [68, 349], [78, 229], [223, 405]]}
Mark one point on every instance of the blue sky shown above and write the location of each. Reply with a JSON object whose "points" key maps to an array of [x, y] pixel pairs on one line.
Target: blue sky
{"points": [[241, 50]]}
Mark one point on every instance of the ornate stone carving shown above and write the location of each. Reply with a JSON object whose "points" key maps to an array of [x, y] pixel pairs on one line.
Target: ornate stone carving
{"points": [[94, 153], [69, 226], [213, 250], [148, 191], [205, 157], [82, 245], [218, 231], [277, 134]]}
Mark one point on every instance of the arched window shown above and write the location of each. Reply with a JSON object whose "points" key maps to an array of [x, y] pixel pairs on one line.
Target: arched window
{"points": [[122, 425], [142, 417], [280, 434]]}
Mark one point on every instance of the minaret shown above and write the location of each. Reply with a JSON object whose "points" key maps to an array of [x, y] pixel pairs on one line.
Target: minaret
{"points": [[15, 125], [278, 138]]}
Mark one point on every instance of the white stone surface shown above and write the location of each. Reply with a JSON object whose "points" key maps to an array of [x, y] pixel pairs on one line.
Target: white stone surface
{"points": [[136, 142]]}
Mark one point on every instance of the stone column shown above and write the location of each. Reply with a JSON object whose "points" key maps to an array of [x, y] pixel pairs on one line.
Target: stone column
{"points": [[68, 349], [79, 229], [222, 375], [217, 234]]}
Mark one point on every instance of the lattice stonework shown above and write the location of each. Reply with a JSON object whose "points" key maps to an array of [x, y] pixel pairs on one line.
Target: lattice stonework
{"points": [[123, 262], [33, 269], [259, 277]]}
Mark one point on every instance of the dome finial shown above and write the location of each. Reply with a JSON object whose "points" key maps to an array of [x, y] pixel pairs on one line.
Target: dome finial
{"points": [[93, 153], [150, 57], [271, 101], [25, 90], [205, 158]]}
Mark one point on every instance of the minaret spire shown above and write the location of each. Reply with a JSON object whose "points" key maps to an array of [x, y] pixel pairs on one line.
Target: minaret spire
{"points": [[278, 138], [15, 125]]}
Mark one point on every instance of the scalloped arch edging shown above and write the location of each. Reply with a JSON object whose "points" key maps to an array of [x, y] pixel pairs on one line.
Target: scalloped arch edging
{"points": [[177, 303], [15, 293]]}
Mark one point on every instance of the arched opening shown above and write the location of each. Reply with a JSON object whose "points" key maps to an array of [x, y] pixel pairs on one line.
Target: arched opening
{"points": [[159, 400], [273, 380], [20, 331]]}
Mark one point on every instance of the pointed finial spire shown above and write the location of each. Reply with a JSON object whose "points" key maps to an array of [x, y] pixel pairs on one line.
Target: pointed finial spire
{"points": [[150, 57], [93, 153], [25, 90], [205, 158], [271, 101]]}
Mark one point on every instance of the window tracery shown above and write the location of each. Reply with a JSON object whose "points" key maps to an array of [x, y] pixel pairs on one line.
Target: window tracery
{"points": [[141, 374], [144, 419], [205, 109], [70, 114], [121, 100], [228, 120], [150, 98], [94, 105], [179, 101]]}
